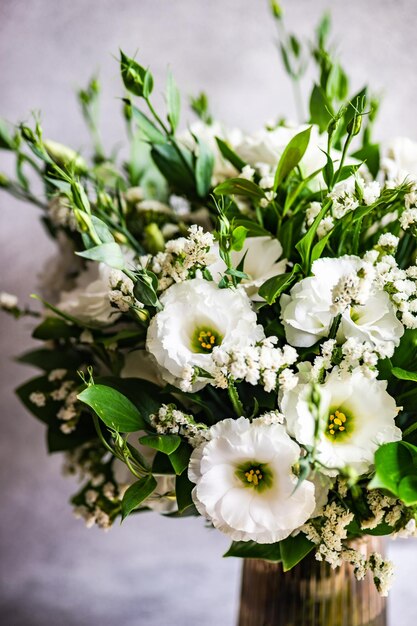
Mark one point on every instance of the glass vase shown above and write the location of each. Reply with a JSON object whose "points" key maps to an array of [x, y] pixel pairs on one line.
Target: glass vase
{"points": [[311, 594]]}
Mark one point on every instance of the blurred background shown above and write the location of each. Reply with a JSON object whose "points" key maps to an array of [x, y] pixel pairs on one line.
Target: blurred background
{"points": [[151, 570]]}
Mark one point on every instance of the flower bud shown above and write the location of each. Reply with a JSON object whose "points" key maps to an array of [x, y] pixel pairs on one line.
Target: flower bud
{"points": [[64, 156], [354, 126], [276, 9], [136, 78], [4, 181], [154, 239]]}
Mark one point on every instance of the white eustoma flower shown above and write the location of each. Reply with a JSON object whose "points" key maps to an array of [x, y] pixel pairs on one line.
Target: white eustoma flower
{"points": [[89, 300], [245, 483], [308, 311], [355, 416], [261, 262], [399, 159], [266, 147], [197, 316]]}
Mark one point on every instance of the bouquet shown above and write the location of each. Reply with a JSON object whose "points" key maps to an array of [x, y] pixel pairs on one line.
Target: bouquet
{"points": [[229, 326]]}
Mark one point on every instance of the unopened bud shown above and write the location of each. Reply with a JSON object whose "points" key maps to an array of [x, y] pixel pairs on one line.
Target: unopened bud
{"points": [[120, 238], [154, 239], [276, 9], [64, 156], [354, 126]]}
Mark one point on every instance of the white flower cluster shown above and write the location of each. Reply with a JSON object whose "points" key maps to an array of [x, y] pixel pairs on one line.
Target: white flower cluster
{"points": [[408, 217], [98, 503], [260, 364], [121, 292], [169, 420], [183, 257], [352, 355], [382, 572], [347, 195], [270, 418], [360, 355], [383, 508], [330, 536], [69, 411], [326, 224], [330, 533], [8, 301], [61, 214], [352, 289], [400, 284]]}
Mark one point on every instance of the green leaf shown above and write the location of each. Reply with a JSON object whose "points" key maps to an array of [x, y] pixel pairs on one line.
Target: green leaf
{"points": [[180, 457], [53, 328], [319, 246], [401, 374], [102, 230], [108, 253], [47, 413], [163, 443], [116, 411], [393, 462], [173, 102], [294, 549], [147, 128], [238, 238], [239, 187], [6, 140], [305, 244], [273, 287], [48, 360], [370, 154], [145, 288], [229, 154], [57, 441], [320, 108], [162, 465], [291, 156], [253, 228], [407, 489], [203, 169], [173, 168], [252, 550], [183, 489], [146, 396], [137, 493]]}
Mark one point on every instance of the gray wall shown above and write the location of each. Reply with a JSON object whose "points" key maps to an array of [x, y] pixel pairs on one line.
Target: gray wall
{"points": [[151, 571]]}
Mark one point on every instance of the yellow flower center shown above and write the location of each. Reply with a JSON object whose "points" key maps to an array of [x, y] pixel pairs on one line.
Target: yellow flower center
{"points": [[254, 476], [337, 423], [204, 339]]}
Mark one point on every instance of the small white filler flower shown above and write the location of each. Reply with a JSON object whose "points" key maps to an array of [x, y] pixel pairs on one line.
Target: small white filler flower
{"points": [[245, 483], [198, 316], [354, 415]]}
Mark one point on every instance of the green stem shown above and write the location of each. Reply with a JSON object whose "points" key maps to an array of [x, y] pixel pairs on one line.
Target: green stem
{"points": [[344, 154], [102, 438], [235, 400], [335, 326], [298, 98]]}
